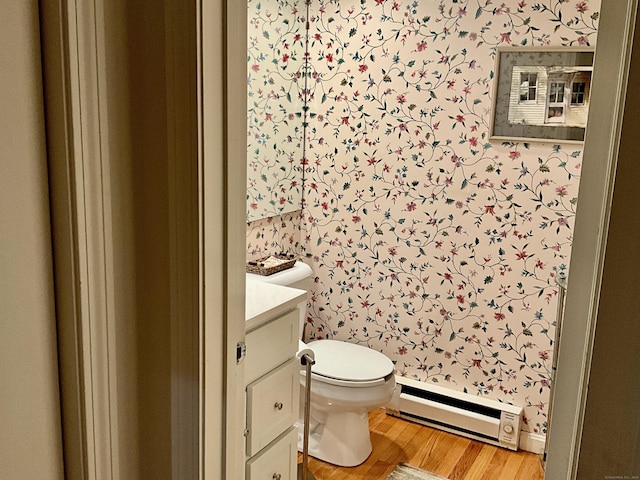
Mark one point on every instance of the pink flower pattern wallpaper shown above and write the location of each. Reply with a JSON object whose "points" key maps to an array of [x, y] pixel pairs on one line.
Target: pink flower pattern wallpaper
{"points": [[427, 241], [278, 234], [275, 101]]}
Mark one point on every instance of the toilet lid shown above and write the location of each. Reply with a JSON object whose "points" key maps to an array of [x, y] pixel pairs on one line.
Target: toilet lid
{"points": [[348, 361]]}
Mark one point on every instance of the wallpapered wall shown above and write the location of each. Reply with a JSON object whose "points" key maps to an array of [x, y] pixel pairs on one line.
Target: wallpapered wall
{"points": [[277, 234], [275, 100], [427, 241]]}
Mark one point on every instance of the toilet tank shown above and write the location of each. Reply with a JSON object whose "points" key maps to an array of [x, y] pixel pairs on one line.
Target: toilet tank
{"points": [[298, 276]]}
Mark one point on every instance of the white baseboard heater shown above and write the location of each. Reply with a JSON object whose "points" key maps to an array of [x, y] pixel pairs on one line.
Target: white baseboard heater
{"points": [[456, 412]]}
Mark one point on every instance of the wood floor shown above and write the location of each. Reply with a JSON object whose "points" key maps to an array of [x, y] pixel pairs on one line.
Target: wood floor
{"points": [[450, 456]]}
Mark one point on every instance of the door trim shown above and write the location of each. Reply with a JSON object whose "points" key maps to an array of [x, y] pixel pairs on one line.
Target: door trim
{"points": [[222, 61], [184, 224], [602, 140], [78, 156]]}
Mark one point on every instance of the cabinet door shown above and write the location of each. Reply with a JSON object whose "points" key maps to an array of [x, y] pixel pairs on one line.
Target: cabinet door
{"points": [[271, 345], [278, 461], [272, 405]]}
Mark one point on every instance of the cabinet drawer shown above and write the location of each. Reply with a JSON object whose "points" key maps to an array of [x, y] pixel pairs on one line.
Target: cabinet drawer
{"points": [[271, 345], [278, 461], [272, 405]]}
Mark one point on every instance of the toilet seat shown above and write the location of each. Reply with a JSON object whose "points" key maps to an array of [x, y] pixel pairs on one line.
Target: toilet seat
{"points": [[347, 364], [347, 383]]}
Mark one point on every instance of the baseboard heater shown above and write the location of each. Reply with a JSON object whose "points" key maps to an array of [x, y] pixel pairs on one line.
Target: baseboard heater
{"points": [[456, 412]]}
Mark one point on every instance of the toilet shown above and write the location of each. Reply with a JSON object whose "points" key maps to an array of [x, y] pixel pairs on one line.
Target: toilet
{"points": [[347, 382]]}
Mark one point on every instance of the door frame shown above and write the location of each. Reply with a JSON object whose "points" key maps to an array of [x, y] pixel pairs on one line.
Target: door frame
{"points": [[78, 159], [206, 138], [606, 110], [222, 199]]}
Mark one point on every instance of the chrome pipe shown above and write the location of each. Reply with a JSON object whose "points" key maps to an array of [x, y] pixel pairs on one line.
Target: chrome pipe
{"points": [[561, 282], [303, 468]]}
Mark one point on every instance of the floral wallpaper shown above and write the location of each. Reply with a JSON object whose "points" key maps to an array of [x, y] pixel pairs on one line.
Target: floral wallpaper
{"points": [[429, 242], [277, 234], [275, 84]]}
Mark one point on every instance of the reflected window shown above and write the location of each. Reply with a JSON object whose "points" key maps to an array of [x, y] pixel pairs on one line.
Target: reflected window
{"points": [[528, 87], [555, 107], [556, 92], [578, 90]]}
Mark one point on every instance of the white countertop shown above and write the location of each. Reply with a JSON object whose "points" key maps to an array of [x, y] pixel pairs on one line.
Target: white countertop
{"points": [[266, 300]]}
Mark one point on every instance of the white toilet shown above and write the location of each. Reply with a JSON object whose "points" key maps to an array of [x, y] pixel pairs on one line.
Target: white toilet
{"points": [[347, 382]]}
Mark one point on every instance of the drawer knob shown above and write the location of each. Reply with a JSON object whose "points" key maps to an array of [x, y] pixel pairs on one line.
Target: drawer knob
{"points": [[278, 406], [277, 476]]}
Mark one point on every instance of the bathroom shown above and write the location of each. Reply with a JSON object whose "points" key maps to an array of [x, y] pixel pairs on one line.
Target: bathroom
{"points": [[155, 290], [169, 307], [428, 241]]}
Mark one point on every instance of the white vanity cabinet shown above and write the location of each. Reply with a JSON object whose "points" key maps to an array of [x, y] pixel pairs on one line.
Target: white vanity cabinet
{"points": [[272, 381]]}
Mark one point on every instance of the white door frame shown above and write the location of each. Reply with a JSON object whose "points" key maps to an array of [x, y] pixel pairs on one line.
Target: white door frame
{"points": [[207, 283], [223, 152], [607, 99], [76, 116]]}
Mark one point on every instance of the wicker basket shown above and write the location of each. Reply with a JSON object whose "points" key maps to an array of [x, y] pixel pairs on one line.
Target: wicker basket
{"points": [[258, 266]]}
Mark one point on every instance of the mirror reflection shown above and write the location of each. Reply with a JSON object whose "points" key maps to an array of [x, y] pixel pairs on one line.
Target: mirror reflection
{"points": [[542, 93], [276, 114]]}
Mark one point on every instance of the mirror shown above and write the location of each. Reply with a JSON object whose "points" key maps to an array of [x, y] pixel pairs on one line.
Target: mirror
{"points": [[276, 47], [541, 94]]}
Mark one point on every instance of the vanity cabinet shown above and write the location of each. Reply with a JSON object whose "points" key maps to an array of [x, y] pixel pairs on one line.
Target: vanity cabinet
{"points": [[273, 389], [271, 344]]}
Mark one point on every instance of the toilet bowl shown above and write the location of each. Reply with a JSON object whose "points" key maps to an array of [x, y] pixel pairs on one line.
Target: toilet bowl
{"points": [[347, 382]]}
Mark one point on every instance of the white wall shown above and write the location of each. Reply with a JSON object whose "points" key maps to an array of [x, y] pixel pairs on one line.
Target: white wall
{"points": [[30, 438]]}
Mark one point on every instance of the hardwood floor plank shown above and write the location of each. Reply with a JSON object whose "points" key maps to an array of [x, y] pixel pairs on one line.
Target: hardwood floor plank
{"points": [[452, 457], [412, 448], [531, 468], [321, 470], [380, 469], [458, 458], [429, 454], [466, 461], [496, 465], [510, 467], [481, 462], [394, 451]]}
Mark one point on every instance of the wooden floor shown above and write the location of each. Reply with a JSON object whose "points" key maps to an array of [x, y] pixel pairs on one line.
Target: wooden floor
{"points": [[450, 456]]}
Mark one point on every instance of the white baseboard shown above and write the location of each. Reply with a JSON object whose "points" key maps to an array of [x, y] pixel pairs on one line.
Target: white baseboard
{"points": [[532, 442]]}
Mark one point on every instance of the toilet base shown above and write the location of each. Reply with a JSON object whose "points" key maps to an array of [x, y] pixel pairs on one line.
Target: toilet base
{"points": [[340, 438]]}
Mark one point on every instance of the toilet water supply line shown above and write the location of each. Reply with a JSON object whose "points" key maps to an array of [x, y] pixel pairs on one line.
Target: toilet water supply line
{"points": [[308, 361]]}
